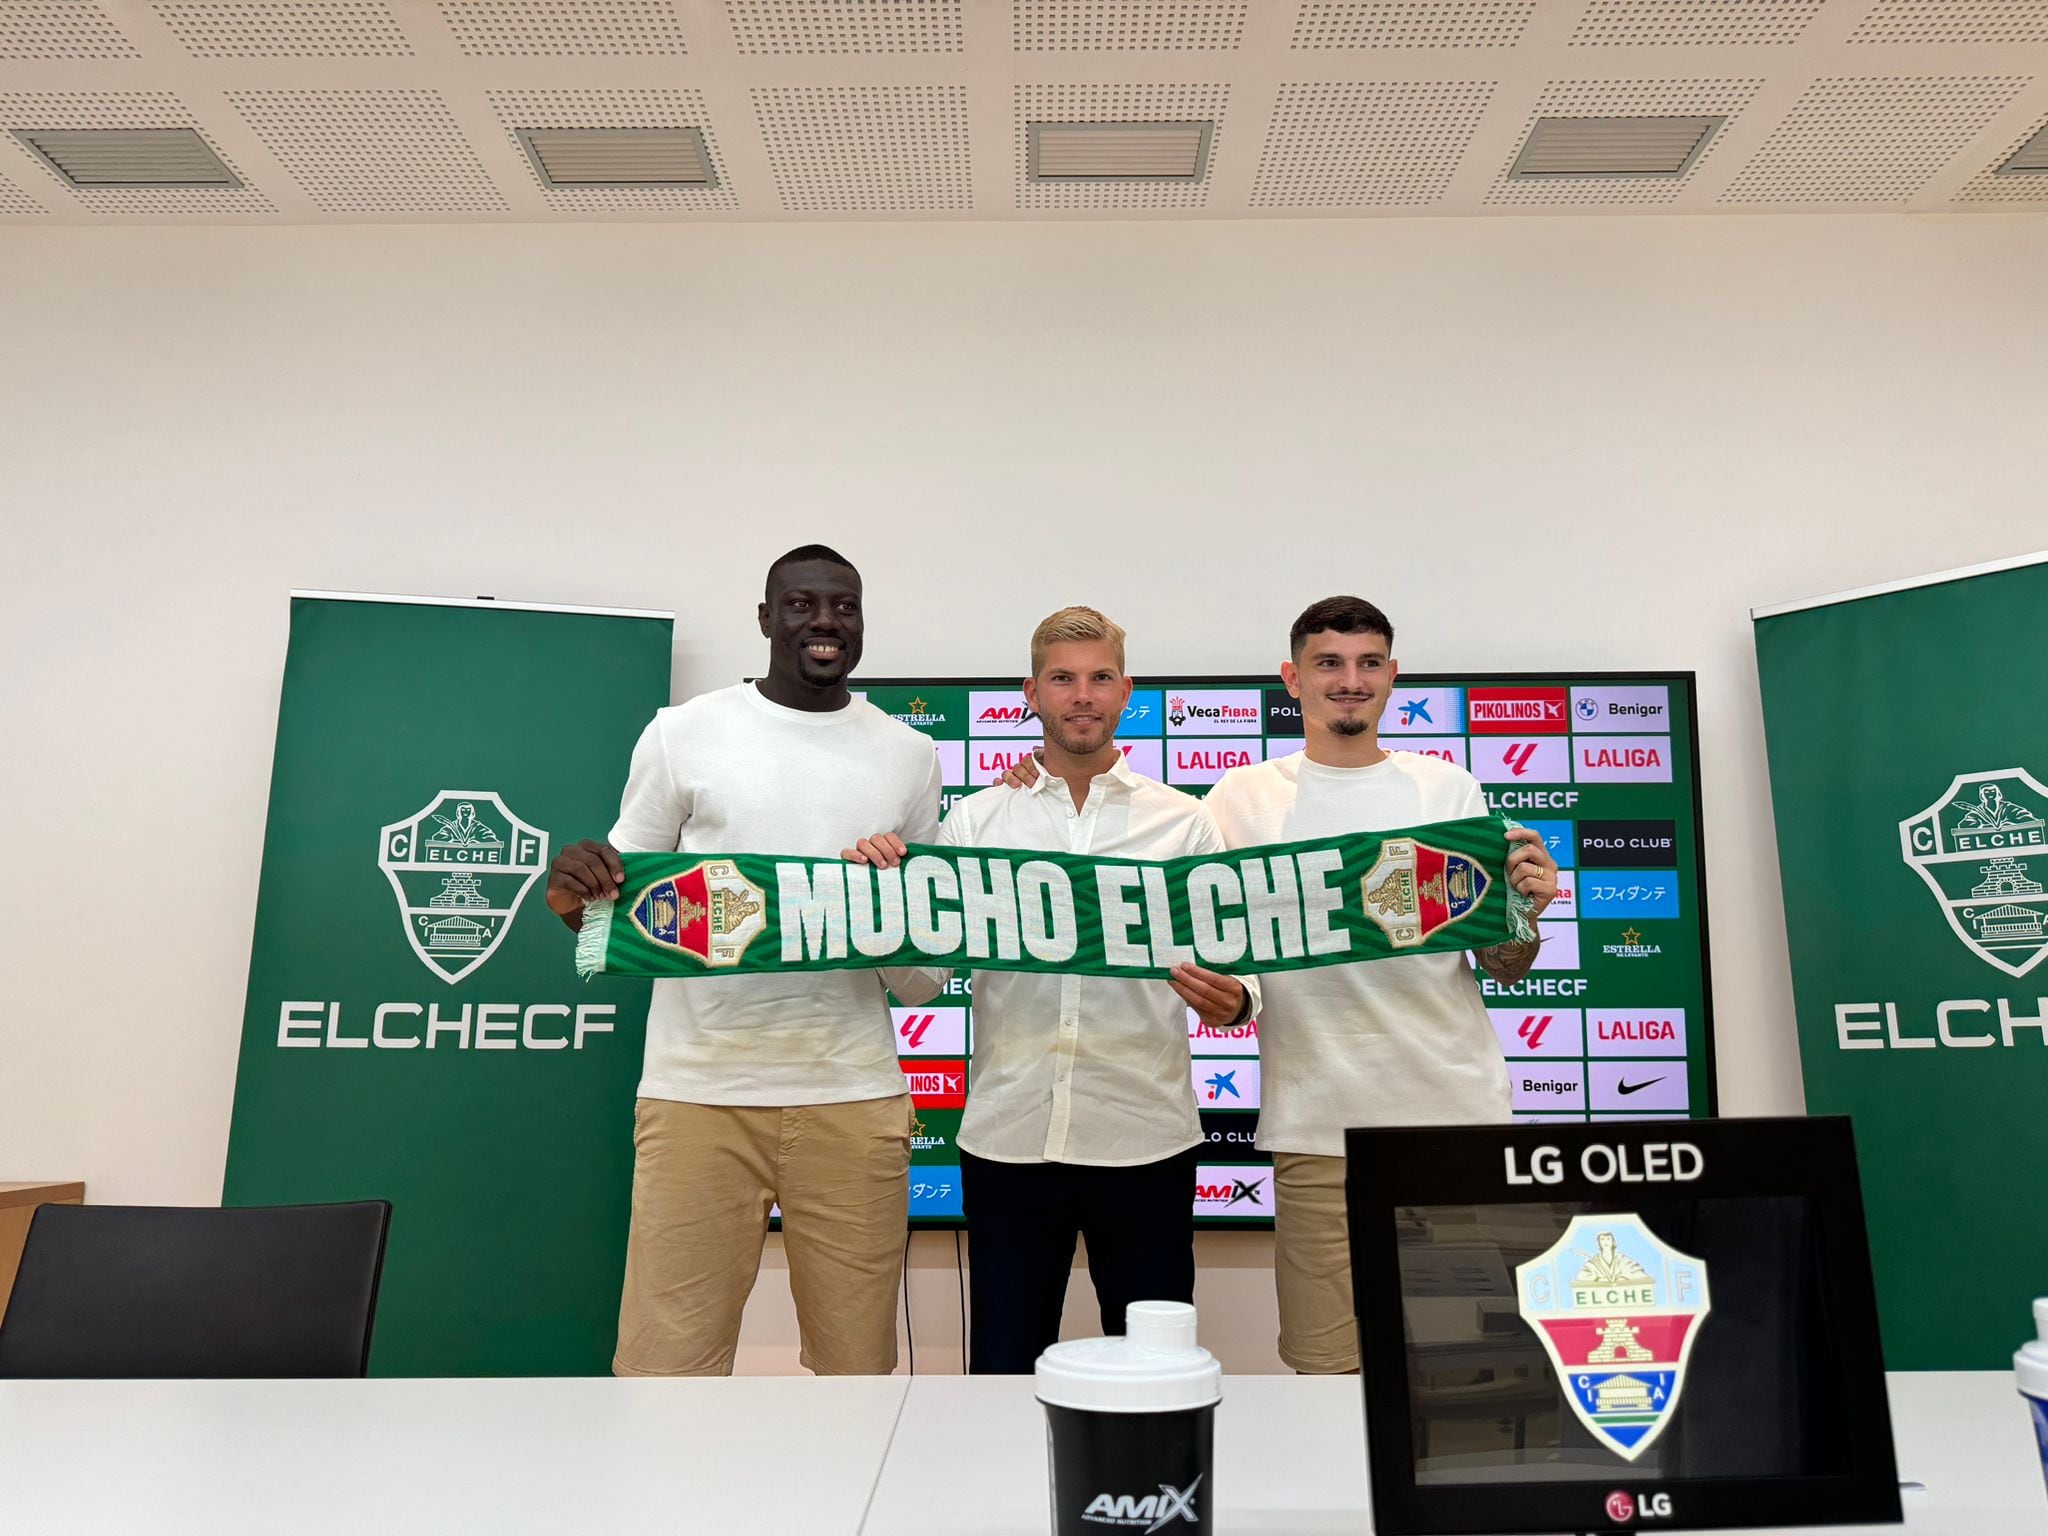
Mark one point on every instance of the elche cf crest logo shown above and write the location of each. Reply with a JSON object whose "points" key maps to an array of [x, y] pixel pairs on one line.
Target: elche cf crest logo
{"points": [[461, 864], [1982, 848], [1413, 889], [710, 911], [1617, 1310]]}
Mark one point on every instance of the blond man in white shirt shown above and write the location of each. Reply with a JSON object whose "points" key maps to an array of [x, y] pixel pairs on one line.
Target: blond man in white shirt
{"points": [[1081, 1116]]}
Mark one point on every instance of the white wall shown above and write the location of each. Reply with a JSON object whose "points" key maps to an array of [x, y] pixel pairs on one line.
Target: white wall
{"points": [[1538, 443]]}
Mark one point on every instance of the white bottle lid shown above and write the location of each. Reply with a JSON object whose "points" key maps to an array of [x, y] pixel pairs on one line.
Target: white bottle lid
{"points": [[1156, 1367], [2031, 1360]]}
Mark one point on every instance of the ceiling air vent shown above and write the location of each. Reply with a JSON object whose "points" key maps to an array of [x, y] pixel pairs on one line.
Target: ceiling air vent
{"points": [[2030, 159], [129, 157], [1613, 146], [619, 157], [1119, 151]]}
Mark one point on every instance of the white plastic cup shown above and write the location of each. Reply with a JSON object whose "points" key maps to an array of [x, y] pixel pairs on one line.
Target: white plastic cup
{"points": [[1130, 1427], [2030, 1366]]}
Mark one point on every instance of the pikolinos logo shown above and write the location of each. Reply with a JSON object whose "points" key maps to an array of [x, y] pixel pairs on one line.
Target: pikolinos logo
{"points": [[460, 864], [1149, 1512]]}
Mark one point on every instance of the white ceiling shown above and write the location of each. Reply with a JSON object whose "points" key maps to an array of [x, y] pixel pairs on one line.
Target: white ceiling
{"points": [[349, 111]]}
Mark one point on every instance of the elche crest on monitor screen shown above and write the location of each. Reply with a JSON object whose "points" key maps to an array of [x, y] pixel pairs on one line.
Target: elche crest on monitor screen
{"points": [[1617, 1310]]}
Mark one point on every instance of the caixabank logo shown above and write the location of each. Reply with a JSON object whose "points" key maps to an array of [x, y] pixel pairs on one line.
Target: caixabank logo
{"points": [[1982, 847], [460, 865]]}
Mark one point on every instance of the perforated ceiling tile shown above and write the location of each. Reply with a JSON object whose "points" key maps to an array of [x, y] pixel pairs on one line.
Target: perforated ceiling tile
{"points": [[846, 26], [1870, 140], [15, 201], [315, 29], [1987, 186], [1115, 104], [1677, 23], [618, 109], [867, 148], [1362, 144], [1127, 26], [540, 28], [60, 29], [26, 111], [1619, 98], [1412, 23], [1954, 21], [371, 151]]}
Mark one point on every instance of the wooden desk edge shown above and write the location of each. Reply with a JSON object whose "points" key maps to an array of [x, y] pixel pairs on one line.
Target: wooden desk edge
{"points": [[41, 1192]]}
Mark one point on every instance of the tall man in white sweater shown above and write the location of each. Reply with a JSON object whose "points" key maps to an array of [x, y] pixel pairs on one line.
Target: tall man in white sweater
{"points": [[759, 1089], [1400, 1041]]}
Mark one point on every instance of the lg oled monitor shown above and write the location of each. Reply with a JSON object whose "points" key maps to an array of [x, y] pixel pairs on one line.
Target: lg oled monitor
{"points": [[1618, 1327]]}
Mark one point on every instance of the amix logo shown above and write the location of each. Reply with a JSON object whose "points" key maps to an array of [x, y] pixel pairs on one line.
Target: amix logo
{"points": [[1151, 1513]]}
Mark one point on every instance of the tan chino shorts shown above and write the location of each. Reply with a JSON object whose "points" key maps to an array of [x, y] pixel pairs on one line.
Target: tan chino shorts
{"points": [[704, 1178]]}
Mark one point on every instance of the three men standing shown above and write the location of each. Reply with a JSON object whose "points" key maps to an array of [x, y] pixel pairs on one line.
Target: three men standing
{"points": [[1081, 1120]]}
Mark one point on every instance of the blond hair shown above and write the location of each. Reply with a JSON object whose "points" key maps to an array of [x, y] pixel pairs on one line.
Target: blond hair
{"points": [[1074, 624]]}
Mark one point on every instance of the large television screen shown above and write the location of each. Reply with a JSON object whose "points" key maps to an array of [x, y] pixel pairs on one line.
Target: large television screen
{"points": [[1615, 1021]]}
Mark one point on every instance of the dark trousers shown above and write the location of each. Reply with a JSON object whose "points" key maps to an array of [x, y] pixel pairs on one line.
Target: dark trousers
{"points": [[1022, 1219]]}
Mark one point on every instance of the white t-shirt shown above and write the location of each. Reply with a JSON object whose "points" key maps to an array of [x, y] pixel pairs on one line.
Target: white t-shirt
{"points": [[731, 772], [1402, 1041]]}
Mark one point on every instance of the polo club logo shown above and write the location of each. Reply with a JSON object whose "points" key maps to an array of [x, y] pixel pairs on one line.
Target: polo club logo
{"points": [[460, 865], [1982, 848]]}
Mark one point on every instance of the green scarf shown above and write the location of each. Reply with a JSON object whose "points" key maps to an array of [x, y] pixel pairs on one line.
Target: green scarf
{"points": [[1286, 907]]}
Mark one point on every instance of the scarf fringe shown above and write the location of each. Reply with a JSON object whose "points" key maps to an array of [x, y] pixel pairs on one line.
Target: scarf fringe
{"points": [[1521, 906], [592, 938]]}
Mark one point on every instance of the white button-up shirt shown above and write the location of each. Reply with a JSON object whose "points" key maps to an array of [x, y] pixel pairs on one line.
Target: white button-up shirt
{"points": [[1077, 1069]]}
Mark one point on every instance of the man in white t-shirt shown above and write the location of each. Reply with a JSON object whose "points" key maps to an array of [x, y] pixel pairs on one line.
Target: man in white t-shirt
{"points": [[1081, 1117], [1400, 1041], [759, 1089]]}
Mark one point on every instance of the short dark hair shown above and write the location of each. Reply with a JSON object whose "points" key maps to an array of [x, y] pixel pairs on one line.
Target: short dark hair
{"points": [[803, 554], [1344, 615]]}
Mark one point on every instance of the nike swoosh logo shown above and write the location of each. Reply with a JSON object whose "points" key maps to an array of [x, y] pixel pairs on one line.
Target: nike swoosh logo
{"points": [[1621, 1087]]}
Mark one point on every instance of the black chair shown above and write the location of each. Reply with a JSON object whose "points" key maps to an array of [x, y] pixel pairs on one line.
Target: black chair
{"points": [[172, 1291]]}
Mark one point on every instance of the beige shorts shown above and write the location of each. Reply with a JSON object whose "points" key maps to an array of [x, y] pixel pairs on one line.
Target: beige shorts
{"points": [[1312, 1264], [704, 1178]]}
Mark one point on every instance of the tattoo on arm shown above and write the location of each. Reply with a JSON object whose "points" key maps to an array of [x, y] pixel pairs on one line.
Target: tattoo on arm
{"points": [[1508, 963]]}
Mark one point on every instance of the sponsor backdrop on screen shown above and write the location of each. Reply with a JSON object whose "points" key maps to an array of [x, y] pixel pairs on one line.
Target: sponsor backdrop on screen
{"points": [[1614, 1022], [1909, 778]]}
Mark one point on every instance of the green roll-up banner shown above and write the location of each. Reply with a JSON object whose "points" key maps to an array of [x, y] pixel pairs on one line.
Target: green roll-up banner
{"points": [[415, 1030], [1908, 750]]}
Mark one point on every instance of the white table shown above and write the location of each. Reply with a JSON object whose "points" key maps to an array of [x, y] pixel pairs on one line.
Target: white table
{"points": [[550, 1457], [941, 1454], [969, 1459]]}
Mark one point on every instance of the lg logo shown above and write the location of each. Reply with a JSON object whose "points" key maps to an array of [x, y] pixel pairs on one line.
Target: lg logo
{"points": [[1621, 1509]]}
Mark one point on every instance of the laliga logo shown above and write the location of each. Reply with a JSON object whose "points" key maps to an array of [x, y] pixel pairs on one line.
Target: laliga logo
{"points": [[1651, 1506]]}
